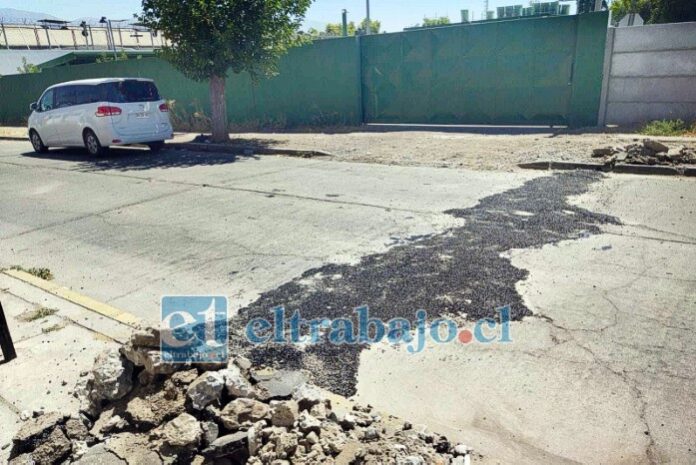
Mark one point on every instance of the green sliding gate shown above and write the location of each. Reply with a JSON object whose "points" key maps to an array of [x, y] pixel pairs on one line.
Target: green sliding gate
{"points": [[523, 71]]}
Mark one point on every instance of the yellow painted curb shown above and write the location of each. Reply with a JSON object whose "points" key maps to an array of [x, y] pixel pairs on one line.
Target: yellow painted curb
{"points": [[83, 301]]}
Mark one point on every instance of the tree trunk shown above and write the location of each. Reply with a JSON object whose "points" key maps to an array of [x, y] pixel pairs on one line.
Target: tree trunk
{"points": [[218, 109]]}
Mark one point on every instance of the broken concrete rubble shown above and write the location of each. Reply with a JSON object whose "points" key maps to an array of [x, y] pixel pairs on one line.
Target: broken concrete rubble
{"points": [[655, 146], [183, 431], [242, 410], [648, 152], [112, 377], [284, 413], [277, 384], [206, 389], [235, 414]]}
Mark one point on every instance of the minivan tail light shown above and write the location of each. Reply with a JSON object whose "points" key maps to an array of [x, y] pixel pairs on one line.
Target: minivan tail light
{"points": [[108, 111], [164, 107]]}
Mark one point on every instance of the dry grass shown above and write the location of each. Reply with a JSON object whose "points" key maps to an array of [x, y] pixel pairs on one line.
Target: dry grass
{"points": [[43, 273], [52, 328], [37, 314]]}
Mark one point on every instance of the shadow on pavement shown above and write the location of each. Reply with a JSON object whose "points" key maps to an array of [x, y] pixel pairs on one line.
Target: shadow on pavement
{"points": [[384, 128], [135, 158]]}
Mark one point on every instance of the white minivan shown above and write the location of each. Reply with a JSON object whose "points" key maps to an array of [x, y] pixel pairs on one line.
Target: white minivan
{"points": [[98, 113]]}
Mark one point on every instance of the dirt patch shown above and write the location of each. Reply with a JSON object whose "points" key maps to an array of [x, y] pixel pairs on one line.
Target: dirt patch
{"points": [[471, 150]]}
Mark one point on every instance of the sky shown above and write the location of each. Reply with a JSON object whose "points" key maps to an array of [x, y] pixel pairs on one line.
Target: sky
{"points": [[394, 14]]}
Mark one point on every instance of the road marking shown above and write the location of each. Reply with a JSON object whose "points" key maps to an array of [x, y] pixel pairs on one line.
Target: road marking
{"points": [[71, 296]]}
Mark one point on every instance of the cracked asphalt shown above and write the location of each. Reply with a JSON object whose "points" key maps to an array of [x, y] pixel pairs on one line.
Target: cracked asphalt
{"points": [[459, 272], [598, 271]]}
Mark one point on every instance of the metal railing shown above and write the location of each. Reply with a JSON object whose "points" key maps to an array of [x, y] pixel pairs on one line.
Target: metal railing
{"points": [[89, 37]]}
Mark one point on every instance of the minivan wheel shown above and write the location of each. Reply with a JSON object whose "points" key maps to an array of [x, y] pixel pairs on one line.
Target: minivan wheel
{"points": [[92, 144], [37, 143], [156, 146]]}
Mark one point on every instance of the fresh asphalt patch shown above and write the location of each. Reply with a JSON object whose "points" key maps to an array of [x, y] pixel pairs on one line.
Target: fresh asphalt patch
{"points": [[460, 272]]}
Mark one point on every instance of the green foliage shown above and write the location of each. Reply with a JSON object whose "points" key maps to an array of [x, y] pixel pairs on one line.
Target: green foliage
{"points": [[105, 57], [620, 8], [375, 27], [673, 11], [28, 68], [336, 29], [655, 11], [441, 21], [675, 127], [191, 119], [43, 273], [210, 37]]}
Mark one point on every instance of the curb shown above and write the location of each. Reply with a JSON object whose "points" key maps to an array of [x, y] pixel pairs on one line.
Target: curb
{"points": [[619, 168], [14, 138], [83, 301], [246, 150]]}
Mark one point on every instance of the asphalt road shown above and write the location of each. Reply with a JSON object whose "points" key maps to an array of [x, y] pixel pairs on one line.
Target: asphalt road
{"points": [[133, 226], [598, 269]]}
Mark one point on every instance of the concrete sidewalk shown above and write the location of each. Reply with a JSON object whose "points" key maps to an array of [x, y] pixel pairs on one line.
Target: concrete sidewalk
{"points": [[56, 341], [12, 132]]}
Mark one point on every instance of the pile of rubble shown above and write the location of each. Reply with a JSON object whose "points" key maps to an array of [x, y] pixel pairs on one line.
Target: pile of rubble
{"points": [[649, 152], [134, 409]]}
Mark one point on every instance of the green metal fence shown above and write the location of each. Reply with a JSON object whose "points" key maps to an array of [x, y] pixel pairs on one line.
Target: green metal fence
{"points": [[316, 85], [525, 71]]}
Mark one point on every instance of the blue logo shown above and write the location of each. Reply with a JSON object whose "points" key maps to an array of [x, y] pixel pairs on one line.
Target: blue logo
{"points": [[363, 329], [194, 329]]}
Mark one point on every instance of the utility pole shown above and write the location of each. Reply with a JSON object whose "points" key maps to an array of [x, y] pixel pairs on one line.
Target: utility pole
{"points": [[344, 17], [109, 33], [368, 27]]}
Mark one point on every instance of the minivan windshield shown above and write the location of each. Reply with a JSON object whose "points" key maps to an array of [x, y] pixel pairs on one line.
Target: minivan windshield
{"points": [[131, 90]]}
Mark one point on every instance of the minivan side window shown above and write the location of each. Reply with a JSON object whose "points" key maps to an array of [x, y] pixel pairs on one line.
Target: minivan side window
{"points": [[87, 94], [46, 103], [65, 96]]}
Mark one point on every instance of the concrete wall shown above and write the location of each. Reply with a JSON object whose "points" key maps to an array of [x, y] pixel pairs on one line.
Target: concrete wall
{"points": [[649, 73]]}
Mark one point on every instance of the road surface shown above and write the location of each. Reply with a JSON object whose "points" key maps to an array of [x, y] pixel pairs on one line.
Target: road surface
{"points": [[598, 270]]}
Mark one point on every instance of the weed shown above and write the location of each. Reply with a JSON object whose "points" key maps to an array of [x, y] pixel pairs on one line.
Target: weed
{"points": [[190, 118], [667, 127], [43, 273], [52, 328], [37, 314]]}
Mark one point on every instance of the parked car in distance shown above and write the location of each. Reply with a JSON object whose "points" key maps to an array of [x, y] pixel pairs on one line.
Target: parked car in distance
{"points": [[99, 113]]}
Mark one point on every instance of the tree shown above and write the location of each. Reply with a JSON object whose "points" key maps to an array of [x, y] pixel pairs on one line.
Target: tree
{"points": [[332, 30], [673, 11], [336, 29], [108, 57], [620, 8], [441, 21], [375, 27], [211, 37], [28, 68], [655, 11]]}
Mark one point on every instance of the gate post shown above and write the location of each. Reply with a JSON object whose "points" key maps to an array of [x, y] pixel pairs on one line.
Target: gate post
{"points": [[8, 350]]}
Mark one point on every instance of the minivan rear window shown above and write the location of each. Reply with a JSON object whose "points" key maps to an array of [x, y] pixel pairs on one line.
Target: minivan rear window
{"points": [[131, 91]]}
